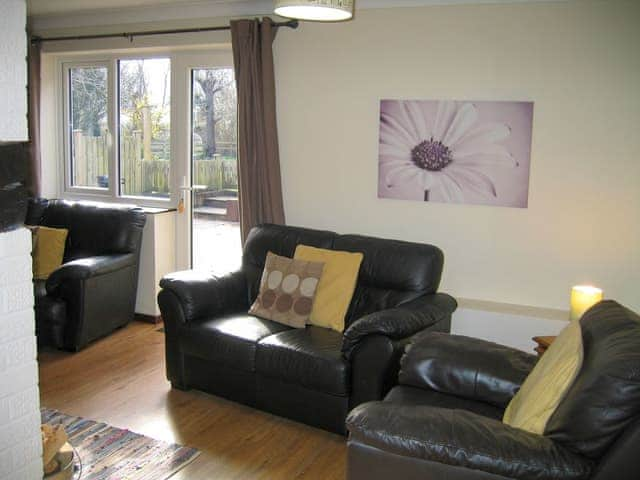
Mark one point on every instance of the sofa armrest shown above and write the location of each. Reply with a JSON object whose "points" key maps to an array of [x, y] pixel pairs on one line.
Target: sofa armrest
{"points": [[463, 439], [466, 367], [400, 322], [84, 268], [201, 294]]}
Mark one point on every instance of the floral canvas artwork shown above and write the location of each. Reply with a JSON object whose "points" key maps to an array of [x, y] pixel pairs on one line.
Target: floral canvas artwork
{"points": [[455, 151]]}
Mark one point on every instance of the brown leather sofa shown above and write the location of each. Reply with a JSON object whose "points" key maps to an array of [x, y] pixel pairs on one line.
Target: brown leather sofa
{"points": [[443, 420]]}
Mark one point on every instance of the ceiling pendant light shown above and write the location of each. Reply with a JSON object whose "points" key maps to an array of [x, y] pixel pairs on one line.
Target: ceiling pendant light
{"points": [[315, 10]]}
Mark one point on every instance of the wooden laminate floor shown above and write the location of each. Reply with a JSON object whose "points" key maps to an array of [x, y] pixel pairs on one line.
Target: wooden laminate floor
{"points": [[120, 380]]}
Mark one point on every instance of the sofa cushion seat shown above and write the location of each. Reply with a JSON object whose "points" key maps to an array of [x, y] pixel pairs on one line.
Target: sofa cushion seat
{"points": [[230, 340], [464, 440], [309, 357], [419, 396]]}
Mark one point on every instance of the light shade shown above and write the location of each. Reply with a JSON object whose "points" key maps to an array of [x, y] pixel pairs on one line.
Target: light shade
{"points": [[315, 10], [583, 297]]}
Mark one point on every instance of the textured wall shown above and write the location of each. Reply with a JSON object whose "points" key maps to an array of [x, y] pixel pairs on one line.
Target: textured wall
{"points": [[20, 444], [13, 71]]}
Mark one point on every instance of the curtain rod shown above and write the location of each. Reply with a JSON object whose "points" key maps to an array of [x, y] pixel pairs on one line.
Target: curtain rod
{"points": [[130, 35]]}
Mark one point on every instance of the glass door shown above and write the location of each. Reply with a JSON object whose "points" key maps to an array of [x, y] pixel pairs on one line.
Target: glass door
{"points": [[215, 214]]}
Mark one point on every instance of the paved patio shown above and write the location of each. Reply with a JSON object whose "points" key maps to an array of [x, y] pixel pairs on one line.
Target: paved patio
{"points": [[216, 245]]}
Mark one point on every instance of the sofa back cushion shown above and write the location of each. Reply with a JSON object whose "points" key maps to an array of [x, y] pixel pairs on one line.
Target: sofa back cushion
{"points": [[35, 211], [392, 271], [281, 240], [604, 399], [96, 228]]}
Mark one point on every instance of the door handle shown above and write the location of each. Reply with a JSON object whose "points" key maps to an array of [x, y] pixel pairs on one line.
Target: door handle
{"points": [[193, 188], [184, 189]]}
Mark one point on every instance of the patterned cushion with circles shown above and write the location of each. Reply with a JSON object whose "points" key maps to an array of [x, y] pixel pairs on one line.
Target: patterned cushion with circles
{"points": [[287, 290]]}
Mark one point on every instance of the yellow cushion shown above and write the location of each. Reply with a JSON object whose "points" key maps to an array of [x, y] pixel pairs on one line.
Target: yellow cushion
{"points": [[336, 287], [547, 384], [48, 250]]}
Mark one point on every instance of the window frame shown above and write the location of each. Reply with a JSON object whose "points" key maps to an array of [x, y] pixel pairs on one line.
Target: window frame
{"points": [[112, 193], [67, 130]]}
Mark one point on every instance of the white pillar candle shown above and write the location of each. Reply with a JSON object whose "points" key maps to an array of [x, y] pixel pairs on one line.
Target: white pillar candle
{"points": [[583, 297]]}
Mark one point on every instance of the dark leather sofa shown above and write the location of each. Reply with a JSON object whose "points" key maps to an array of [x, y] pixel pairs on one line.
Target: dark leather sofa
{"points": [[313, 375], [94, 291], [443, 421]]}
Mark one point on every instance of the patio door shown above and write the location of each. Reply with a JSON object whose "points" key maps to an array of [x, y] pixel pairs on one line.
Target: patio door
{"points": [[208, 211]]}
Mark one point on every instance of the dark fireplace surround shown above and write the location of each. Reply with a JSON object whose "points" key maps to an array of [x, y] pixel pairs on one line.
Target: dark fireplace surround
{"points": [[13, 190]]}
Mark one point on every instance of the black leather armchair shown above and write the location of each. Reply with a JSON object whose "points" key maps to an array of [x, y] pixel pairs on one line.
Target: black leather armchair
{"points": [[313, 375], [443, 420], [94, 291]]}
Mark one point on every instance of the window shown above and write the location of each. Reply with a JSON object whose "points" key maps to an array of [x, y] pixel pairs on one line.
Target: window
{"points": [[144, 125], [88, 127], [140, 93]]}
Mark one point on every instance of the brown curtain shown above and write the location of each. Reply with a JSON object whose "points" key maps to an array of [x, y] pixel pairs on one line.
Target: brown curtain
{"points": [[258, 158], [33, 171]]}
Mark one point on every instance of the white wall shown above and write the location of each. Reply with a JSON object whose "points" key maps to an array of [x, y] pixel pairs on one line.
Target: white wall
{"points": [[157, 258], [578, 61], [13, 71], [20, 441], [510, 325]]}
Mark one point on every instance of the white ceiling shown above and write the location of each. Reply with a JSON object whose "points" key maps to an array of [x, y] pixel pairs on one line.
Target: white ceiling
{"points": [[47, 15], [48, 7], [52, 7]]}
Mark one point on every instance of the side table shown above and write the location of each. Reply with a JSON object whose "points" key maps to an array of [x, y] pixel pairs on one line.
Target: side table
{"points": [[543, 343]]}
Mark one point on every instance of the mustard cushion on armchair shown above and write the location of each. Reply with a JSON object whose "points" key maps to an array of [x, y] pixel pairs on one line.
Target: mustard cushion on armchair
{"points": [[48, 250], [547, 384]]}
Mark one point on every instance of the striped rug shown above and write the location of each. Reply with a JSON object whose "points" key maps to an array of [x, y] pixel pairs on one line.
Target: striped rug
{"points": [[109, 453]]}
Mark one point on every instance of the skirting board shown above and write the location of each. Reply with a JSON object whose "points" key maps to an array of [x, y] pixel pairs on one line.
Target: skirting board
{"points": [[512, 325], [155, 319]]}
